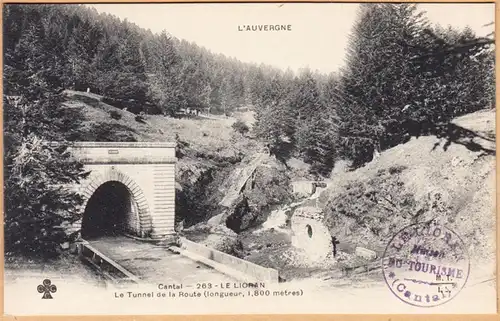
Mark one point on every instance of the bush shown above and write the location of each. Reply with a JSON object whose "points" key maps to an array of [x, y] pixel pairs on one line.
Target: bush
{"points": [[140, 119], [240, 127], [105, 132], [113, 102], [115, 115], [130, 104]]}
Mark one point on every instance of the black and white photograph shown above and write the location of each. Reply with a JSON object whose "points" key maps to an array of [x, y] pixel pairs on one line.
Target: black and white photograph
{"points": [[249, 158]]}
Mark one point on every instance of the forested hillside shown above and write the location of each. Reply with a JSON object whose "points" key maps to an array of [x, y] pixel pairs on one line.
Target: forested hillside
{"points": [[131, 66], [403, 77]]}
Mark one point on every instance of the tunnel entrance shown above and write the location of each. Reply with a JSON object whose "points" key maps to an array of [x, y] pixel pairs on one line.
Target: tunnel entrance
{"points": [[110, 211]]}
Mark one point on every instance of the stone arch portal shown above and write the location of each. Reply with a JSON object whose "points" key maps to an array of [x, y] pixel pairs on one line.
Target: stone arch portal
{"points": [[137, 178], [137, 216]]}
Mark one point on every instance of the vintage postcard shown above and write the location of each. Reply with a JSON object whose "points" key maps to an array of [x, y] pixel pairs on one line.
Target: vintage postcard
{"points": [[244, 158]]}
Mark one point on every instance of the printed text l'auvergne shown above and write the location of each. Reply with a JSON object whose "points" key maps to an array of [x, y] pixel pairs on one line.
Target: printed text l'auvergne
{"points": [[268, 27]]}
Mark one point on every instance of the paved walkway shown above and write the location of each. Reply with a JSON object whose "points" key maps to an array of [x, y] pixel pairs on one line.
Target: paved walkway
{"points": [[155, 264]]}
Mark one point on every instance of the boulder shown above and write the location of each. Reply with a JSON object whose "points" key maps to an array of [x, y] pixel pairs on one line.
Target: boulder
{"points": [[216, 220], [221, 238], [222, 230], [267, 188], [217, 237]]}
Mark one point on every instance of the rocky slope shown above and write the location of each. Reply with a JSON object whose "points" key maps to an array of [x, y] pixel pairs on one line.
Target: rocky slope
{"points": [[448, 178]]}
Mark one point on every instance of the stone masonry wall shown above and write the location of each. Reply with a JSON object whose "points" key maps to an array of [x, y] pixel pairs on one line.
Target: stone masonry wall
{"points": [[148, 172]]}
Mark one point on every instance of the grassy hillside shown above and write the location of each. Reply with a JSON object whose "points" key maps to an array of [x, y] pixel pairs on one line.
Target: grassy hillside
{"points": [[207, 149], [210, 134]]}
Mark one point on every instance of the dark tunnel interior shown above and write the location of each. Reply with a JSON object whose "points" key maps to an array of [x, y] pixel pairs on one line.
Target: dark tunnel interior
{"points": [[107, 211]]}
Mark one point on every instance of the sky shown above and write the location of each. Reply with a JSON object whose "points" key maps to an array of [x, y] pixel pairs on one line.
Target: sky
{"points": [[318, 36]]}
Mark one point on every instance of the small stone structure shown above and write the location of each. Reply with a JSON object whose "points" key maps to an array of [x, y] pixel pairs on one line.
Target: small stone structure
{"points": [[310, 234], [307, 188], [304, 188], [365, 253]]}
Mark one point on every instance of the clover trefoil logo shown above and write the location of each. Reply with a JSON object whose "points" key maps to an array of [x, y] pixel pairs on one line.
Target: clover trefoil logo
{"points": [[46, 288]]}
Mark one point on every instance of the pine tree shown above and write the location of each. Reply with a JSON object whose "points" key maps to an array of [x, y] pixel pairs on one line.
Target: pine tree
{"points": [[38, 198], [452, 82], [377, 83], [404, 78], [315, 142], [305, 96], [315, 131], [164, 74], [37, 176], [275, 120]]}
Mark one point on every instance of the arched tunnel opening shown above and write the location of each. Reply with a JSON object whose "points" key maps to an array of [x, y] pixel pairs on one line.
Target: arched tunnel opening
{"points": [[110, 211]]}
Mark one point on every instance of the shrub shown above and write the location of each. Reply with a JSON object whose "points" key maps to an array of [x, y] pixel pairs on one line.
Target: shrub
{"points": [[130, 104], [240, 127], [115, 115], [113, 102], [94, 102], [140, 118], [105, 132]]}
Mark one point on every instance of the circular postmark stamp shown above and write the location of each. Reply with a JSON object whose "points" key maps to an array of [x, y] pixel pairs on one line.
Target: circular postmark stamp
{"points": [[425, 264]]}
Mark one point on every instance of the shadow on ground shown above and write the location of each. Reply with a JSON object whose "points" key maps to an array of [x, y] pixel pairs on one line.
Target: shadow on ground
{"points": [[473, 141]]}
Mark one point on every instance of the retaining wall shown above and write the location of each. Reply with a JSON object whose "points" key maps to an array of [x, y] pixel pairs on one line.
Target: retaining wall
{"points": [[254, 271]]}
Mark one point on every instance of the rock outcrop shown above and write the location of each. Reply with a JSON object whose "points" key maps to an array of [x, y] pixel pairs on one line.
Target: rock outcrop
{"points": [[258, 187]]}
